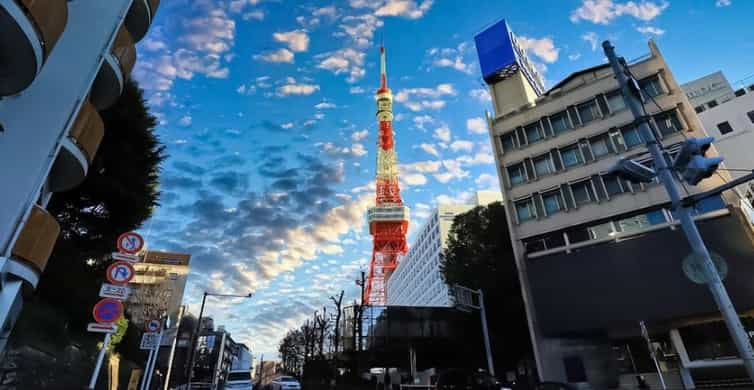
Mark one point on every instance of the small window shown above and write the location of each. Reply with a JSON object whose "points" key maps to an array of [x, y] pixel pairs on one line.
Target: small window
{"points": [[582, 192], [517, 174], [588, 111], [533, 133], [553, 202], [712, 103], [543, 165], [632, 136], [615, 101], [724, 127], [668, 123], [560, 122], [599, 146], [699, 109], [508, 141], [750, 114], [612, 185], [651, 86], [525, 210], [571, 156]]}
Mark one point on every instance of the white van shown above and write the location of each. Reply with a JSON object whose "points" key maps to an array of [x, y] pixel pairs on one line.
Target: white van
{"points": [[238, 380]]}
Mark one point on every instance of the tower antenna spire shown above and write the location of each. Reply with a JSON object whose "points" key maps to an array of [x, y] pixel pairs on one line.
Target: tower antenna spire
{"points": [[383, 69]]}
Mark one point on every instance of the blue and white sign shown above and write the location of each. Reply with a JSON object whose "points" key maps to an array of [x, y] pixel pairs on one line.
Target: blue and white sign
{"points": [[153, 325]]}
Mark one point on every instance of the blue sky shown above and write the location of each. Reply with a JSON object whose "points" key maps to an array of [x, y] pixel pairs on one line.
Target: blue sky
{"points": [[267, 110]]}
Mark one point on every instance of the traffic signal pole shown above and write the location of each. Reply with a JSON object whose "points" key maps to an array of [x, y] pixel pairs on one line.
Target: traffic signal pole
{"points": [[666, 177]]}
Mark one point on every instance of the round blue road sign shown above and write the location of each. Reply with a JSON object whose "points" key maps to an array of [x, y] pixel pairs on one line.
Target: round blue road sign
{"points": [[107, 311]]}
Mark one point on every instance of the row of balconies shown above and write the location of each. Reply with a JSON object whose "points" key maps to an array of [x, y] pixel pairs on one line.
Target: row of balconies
{"points": [[29, 30]]}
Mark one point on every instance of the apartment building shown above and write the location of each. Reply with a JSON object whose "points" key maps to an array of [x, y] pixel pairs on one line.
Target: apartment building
{"points": [[417, 281], [62, 61], [157, 288], [597, 254]]}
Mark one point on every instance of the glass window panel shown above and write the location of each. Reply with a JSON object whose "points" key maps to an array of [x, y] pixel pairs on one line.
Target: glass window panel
{"points": [[588, 111], [615, 102], [750, 114], [599, 146], [533, 133], [525, 210], [668, 123], [601, 231], [517, 174], [571, 156], [631, 136], [612, 185], [543, 165], [560, 122], [724, 127], [634, 224], [509, 142], [582, 192], [651, 86], [553, 202]]}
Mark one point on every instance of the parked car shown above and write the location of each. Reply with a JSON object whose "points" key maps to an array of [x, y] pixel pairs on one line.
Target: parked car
{"points": [[238, 380], [285, 383]]}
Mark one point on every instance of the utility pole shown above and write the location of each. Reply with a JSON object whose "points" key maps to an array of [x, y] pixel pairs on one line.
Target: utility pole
{"points": [[632, 96]]}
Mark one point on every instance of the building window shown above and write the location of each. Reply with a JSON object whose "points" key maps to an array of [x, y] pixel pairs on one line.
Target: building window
{"points": [[517, 174], [724, 127], [651, 86], [699, 109], [668, 123], [560, 122], [533, 133], [612, 185], [599, 146], [543, 165], [615, 101], [632, 136], [508, 141], [582, 192], [750, 114], [525, 210], [553, 202], [588, 111], [571, 155], [712, 103]]}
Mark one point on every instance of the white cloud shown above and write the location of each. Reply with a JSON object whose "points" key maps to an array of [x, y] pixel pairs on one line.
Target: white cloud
{"points": [[256, 14], [359, 135], [324, 105], [442, 133], [574, 56], [450, 58], [477, 125], [414, 179], [486, 181], [722, 3], [344, 61], [280, 55], [604, 11], [481, 94], [356, 150], [405, 8], [461, 145], [291, 87], [429, 98], [287, 125], [592, 38], [329, 11], [360, 29], [297, 40], [213, 33], [463, 197], [650, 30], [421, 120], [544, 48], [356, 90], [154, 44], [244, 89], [456, 64], [185, 121], [430, 149]]}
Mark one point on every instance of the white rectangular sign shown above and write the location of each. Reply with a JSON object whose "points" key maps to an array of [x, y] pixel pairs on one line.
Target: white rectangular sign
{"points": [[113, 291], [117, 256], [149, 340], [101, 328]]}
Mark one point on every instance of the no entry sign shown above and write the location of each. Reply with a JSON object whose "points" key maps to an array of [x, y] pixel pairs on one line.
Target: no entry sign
{"points": [[130, 242], [107, 311], [120, 273]]}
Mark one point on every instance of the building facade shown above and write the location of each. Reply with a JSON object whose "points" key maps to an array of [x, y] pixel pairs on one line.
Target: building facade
{"points": [[157, 287], [417, 281], [731, 122], [596, 254], [63, 61], [708, 91]]}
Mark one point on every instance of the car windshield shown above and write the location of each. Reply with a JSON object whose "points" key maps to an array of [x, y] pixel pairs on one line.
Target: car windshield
{"points": [[239, 376]]}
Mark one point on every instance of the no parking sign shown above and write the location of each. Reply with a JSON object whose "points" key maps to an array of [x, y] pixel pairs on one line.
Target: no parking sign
{"points": [[120, 273]]}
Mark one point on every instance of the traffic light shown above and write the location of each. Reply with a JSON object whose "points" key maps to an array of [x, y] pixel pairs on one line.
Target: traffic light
{"points": [[632, 171], [691, 162]]}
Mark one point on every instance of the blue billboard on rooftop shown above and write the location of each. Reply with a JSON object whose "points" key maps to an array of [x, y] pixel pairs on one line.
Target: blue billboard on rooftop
{"points": [[501, 55]]}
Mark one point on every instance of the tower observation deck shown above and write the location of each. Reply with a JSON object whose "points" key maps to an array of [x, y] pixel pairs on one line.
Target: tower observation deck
{"points": [[388, 219]]}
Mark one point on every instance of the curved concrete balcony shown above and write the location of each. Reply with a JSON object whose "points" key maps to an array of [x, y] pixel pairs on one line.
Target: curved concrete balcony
{"points": [[37, 239], [77, 151], [115, 69], [140, 17], [29, 30]]}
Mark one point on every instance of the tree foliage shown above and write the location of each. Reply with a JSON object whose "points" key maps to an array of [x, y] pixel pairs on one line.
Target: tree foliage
{"points": [[479, 255], [119, 193]]}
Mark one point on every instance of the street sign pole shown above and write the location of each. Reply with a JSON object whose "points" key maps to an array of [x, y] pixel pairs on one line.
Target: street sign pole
{"points": [[487, 347], [100, 358], [664, 174], [652, 353], [145, 373], [154, 360]]}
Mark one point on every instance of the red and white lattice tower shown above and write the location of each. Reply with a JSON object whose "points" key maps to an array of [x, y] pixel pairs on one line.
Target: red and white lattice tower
{"points": [[388, 219]]}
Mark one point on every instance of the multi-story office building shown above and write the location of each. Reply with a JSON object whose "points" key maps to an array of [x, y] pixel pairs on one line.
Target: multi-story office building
{"points": [[215, 355], [597, 254], [61, 62], [731, 121], [708, 91], [417, 280], [158, 286]]}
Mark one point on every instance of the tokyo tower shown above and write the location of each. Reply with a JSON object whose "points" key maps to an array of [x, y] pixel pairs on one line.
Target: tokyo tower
{"points": [[388, 219]]}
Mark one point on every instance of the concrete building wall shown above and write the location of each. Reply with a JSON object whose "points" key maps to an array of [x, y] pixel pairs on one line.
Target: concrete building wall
{"points": [[710, 88]]}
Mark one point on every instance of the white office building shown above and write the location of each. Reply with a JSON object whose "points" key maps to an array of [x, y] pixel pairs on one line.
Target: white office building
{"points": [[417, 280]]}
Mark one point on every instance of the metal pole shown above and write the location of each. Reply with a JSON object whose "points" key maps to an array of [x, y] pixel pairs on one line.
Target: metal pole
{"points": [[172, 347], [145, 373], [485, 333], [100, 358], [715, 284], [195, 338], [652, 353], [154, 360]]}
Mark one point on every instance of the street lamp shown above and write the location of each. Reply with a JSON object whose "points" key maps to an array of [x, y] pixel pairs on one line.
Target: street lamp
{"points": [[464, 301], [194, 337]]}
